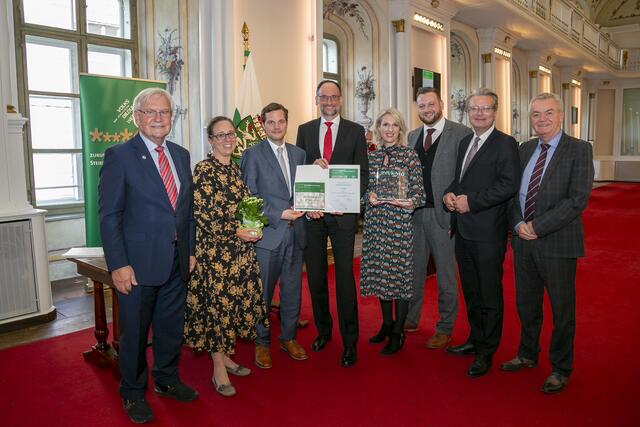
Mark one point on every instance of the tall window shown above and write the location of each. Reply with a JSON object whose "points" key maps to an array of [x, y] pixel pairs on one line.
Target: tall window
{"points": [[56, 40], [330, 59]]}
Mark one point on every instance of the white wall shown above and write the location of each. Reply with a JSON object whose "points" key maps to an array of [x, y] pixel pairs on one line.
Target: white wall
{"points": [[282, 41]]}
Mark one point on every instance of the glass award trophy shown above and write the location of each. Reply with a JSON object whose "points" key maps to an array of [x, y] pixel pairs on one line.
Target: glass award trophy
{"points": [[391, 184]]}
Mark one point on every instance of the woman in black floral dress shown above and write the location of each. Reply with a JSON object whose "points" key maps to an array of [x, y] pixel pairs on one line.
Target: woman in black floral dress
{"points": [[387, 247], [224, 296]]}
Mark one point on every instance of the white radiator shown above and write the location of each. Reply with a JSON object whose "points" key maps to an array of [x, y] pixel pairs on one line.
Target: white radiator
{"points": [[17, 276]]}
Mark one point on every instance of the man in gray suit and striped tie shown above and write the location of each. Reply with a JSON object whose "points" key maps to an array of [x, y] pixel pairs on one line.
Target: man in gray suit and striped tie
{"points": [[436, 143], [269, 170], [546, 216]]}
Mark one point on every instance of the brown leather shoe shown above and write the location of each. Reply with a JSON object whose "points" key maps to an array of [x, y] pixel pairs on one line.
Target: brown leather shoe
{"points": [[263, 357], [438, 340], [518, 363], [555, 383], [294, 349]]}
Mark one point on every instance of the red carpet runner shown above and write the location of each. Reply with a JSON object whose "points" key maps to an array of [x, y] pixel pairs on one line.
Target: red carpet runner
{"points": [[48, 383]]}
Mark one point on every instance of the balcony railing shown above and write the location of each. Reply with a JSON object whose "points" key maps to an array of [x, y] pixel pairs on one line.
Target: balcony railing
{"points": [[570, 21]]}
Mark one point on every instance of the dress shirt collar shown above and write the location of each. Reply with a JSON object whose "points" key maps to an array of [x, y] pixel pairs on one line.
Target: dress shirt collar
{"points": [[438, 126], [484, 135], [335, 122], [553, 142], [151, 146]]}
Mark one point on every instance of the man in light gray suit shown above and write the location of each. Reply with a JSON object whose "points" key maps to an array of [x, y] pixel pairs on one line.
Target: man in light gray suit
{"points": [[436, 143], [546, 216], [269, 170]]}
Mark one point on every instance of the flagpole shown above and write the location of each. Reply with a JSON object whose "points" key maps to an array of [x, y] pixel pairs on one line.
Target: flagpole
{"points": [[245, 44]]}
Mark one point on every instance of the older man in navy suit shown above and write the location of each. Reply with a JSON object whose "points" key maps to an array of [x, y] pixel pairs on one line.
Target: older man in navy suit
{"points": [[269, 170], [146, 224]]}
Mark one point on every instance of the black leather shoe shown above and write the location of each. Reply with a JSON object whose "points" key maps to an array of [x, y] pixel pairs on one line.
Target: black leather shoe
{"points": [[382, 334], [320, 342], [463, 349], [393, 345], [178, 391], [138, 410], [349, 357], [480, 366]]}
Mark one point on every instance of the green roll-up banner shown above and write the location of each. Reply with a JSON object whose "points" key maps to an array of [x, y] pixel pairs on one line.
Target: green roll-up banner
{"points": [[106, 112]]}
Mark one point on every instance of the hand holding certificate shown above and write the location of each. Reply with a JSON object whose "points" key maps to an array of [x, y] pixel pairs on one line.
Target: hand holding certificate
{"points": [[335, 189]]}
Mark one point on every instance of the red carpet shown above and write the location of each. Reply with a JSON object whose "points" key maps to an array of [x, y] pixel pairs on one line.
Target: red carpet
{"points": [[48, 383]]}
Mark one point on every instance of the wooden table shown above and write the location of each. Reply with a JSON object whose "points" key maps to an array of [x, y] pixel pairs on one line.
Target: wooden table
{"points": [[102, 354]]}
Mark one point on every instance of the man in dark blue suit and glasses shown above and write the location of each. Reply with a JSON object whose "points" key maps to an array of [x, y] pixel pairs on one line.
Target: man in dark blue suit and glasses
{"points": [[145, 202]]}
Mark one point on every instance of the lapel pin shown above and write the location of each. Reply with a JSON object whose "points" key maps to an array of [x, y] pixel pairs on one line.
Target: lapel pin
{"points": [[144, 157]]}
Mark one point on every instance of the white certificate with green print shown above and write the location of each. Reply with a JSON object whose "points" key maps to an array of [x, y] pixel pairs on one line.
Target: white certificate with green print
{"points": [[336, 189]]}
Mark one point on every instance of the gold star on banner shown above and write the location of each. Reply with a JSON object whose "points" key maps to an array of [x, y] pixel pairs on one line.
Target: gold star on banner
{"points": [[115, 137], [125, 135], [106, 137], [95, 135]]}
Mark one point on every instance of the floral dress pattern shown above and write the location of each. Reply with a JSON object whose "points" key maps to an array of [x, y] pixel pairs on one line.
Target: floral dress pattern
{"points": [[386, 269], [224, 295]]}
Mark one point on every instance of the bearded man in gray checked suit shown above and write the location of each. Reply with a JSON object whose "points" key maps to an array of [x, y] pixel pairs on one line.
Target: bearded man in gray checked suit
{"points": [[546, 216]]}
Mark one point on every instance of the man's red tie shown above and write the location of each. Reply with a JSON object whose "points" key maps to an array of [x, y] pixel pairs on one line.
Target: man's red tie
{"points": [[534, 183], [167, 177], [328, 143], [428, 140]]}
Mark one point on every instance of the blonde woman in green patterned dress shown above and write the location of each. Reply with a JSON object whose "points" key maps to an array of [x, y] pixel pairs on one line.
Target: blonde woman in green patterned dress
{"points": [[387, 264], [224, 296]]}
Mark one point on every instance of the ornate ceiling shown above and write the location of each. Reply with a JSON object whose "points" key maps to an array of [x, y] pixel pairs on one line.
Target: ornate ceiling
{"points": [[613, 13]]}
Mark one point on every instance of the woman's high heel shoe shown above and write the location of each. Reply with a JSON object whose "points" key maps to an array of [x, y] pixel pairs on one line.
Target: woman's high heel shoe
{"points": [[381, 335], [393, 345]]}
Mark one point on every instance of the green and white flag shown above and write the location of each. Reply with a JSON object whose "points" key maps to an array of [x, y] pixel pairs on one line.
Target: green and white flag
{"points": [[246, 117]]}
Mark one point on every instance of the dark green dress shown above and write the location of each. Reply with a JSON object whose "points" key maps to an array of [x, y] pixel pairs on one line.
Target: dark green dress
{"points": [[224, 296]]}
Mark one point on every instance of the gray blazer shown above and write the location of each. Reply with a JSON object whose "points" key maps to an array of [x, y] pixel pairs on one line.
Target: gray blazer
{"points": [[262, 174], [562, 197], [444, 164]]}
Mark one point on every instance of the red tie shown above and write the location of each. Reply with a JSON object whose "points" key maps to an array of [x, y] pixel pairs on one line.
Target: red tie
{"points": [[328, 143], [428, 140], [167, 177]]}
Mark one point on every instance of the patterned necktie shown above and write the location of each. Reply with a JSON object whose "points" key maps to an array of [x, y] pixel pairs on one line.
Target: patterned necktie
{"points": [[428, 141], [167, 177], [283, 167], [534, 183], [328, 143], [472, 153]]}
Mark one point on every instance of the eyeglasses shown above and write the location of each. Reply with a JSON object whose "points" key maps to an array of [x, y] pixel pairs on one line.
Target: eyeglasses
{"points": [[223, 136], [150, 114], [325, 98], [484, 109]]}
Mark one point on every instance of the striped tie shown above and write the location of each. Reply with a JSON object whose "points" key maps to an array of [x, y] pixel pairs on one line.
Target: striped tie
{"points": [[167, 177], [534, 183]]}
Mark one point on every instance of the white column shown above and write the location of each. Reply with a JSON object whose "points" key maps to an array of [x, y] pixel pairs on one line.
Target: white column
{"points": [[402, 71]]}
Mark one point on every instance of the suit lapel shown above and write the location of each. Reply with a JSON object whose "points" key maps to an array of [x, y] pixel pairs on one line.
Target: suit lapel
{"points": [[553, 163], [314, 150], [179, 171], [415, 136], [341, 142], [149, 167], [292, 163], [442, 145], [464, 145]]}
